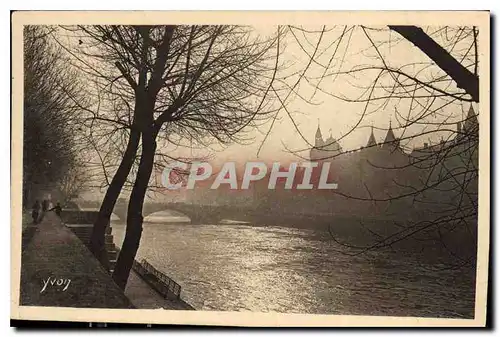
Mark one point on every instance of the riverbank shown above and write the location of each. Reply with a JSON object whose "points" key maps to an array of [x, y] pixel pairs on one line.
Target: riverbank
{"points": [[144, 296], [148, 291], [57, 270]]}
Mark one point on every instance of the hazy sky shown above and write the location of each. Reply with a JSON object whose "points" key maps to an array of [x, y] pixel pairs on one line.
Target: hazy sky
{"points": [[318, 97], [337, 116]]}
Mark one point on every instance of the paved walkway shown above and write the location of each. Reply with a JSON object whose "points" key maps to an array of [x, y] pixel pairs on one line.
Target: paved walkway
{"points": [[58, 270], [144, 297]]}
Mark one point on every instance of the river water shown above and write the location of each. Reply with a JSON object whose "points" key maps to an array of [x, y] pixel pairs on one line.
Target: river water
{"points": [[240, 267]]}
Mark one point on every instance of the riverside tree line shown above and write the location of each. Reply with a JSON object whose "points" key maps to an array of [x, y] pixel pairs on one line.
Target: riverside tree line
{"points": [[106, 106]]}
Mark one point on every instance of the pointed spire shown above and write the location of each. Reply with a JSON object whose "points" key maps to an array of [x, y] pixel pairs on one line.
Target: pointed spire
{"points": [[318, 131], [371, 140], [471, 121], [471, 112], [330, 138], [319, 137], [389, 138]]}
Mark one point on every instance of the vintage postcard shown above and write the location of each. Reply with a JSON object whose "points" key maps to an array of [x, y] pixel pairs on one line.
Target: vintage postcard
{"points": [[251, 168]]}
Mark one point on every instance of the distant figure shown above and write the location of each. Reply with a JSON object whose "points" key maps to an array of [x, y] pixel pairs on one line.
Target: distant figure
{"points": [[35, 213], [57, 209], [45, 205]]}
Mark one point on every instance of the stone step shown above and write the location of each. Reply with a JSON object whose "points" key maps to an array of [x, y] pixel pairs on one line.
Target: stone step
{"points": [[112, 264], [82, 229], [109, 239], [82, 234], [88, 235], [112, 254], [109, 242], [84, 238]]}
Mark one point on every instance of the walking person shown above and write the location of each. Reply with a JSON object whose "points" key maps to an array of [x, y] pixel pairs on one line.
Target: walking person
{"points": [[35, 213], [45, 205], [57, 209]]}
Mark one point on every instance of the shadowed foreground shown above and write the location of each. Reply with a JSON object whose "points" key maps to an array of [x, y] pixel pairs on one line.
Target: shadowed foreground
{"points": [[76, 277]]}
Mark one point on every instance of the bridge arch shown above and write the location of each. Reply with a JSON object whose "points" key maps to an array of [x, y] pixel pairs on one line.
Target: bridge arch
{"points": [[182, 216], [198, 214]]}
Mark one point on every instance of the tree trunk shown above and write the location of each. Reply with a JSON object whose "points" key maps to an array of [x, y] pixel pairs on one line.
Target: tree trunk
{"points": [[97, 245], [134, 212], [464, 78]]}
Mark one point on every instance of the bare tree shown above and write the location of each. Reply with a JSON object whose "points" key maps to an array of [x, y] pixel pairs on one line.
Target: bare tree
{"points": [[181, 83], [51, 146], [74, 181], [167, 85], [434, 187]]}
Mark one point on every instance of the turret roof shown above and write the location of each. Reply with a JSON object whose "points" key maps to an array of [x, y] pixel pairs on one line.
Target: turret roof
{"points": [[318, 132], [371, 140], [390, 136]]}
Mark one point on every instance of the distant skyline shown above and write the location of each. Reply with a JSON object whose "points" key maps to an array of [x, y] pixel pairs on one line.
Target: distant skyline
{"points": [[293, 131], [334, 115]]}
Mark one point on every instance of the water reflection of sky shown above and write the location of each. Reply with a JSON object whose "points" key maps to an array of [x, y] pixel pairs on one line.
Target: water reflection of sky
{"points": [[245, 268]]}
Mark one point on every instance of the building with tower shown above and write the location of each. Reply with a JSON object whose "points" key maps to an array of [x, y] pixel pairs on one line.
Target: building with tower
{"points": [[382, 170], [324, 149], [371, 179]]}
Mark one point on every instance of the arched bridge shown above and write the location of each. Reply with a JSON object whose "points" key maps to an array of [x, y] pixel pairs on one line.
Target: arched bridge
{"points": [[198, 214], [213, 214]]}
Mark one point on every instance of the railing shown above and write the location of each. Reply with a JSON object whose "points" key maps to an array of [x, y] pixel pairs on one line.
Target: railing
{"points": [[160, 282], [164, 284], [79, 217]]}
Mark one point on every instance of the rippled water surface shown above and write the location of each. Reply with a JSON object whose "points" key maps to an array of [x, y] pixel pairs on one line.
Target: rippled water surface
{"points": [[234, 267]]}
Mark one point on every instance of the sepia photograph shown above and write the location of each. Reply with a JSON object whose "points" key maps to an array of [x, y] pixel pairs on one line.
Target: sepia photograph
{"points": [[251, 168]]}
